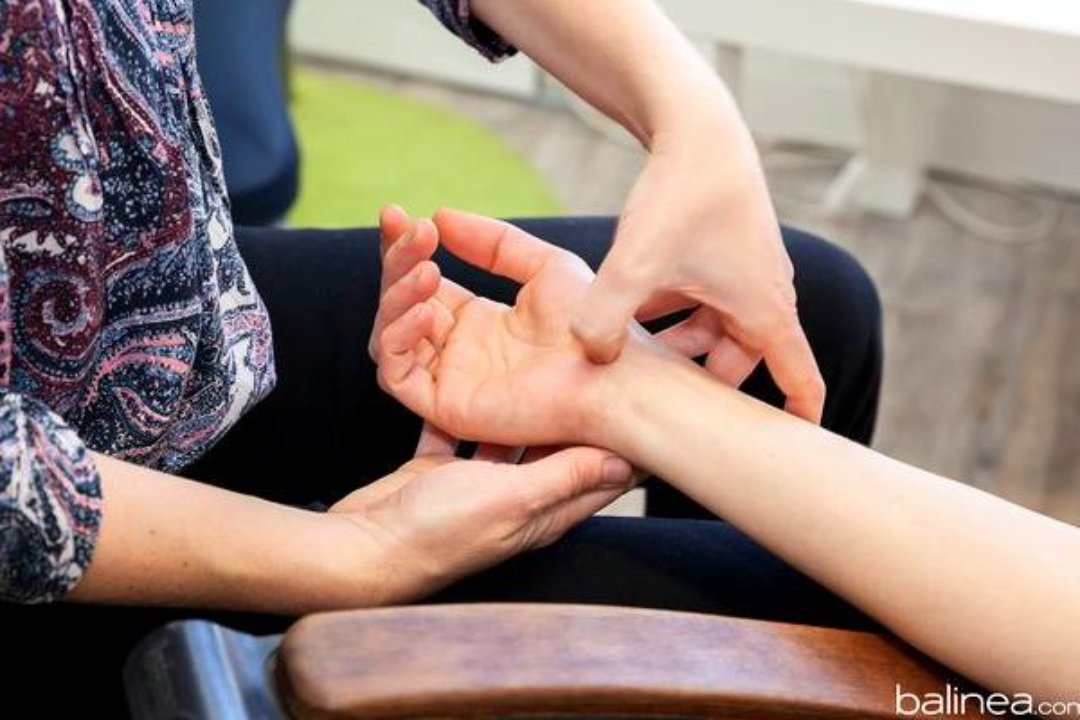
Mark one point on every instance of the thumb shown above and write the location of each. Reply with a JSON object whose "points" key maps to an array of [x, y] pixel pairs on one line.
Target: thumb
{"points": [[575, 472], [576, 484], [607, 309]]}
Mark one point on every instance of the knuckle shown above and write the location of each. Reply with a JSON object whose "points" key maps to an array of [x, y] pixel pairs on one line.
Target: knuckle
{"points": [[770, 324], [779, 312]]}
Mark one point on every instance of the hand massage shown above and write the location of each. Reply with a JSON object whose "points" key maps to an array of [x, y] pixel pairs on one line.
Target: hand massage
{"points": [[255, 424]]}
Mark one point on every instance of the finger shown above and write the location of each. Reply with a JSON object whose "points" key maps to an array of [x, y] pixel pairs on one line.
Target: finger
{"points": [[696, 335], [609, 305], [391, 269], [400, 372], [418, 286], [452, 296], [792, 365], [435, 442], [427, 355], [416, 247], [533, 454], [493, 245], [571, 473], [394, 222], [489, 452], [444, 322], [664, 304], [731, 362]]}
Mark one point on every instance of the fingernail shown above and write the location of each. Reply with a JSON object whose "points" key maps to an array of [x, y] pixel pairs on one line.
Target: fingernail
{"points": [[617, 472]]}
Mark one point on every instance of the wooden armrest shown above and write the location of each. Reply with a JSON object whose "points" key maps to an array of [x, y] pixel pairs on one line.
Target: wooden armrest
{"points": [[512, 660]]}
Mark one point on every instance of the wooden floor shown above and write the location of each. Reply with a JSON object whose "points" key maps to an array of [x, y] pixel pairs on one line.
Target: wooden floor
{"points": [[983, 355]]}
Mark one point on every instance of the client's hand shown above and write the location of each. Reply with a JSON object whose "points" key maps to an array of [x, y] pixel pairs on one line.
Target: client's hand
{"points": [[477, 369], [439, 518]]}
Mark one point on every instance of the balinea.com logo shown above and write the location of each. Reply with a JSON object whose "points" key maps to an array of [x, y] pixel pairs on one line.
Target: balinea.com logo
{"points": [[957, 702]]}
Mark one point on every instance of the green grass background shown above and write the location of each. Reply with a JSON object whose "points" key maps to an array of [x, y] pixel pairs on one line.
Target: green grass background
{"points": [[362, 148]]}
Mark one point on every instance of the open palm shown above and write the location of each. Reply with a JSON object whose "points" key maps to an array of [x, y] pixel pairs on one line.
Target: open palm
{"points": [[475, 368]]}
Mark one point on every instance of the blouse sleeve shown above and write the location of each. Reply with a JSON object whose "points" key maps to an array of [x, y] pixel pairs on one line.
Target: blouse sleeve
{"points": [[457, 16], [50, 503]]}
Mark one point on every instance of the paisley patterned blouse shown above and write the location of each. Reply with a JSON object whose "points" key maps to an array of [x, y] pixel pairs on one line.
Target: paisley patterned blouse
{"points": [[128, 322]]}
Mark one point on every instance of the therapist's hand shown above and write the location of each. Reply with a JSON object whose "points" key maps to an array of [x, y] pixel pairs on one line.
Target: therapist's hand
{"points": [[699, 230], [438, 519]]}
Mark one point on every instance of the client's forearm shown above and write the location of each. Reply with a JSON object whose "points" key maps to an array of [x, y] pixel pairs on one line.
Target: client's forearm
{"points": [[986, 587], [169, 541]]}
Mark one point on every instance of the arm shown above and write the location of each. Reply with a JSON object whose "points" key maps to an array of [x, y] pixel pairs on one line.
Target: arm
{"points": [[698, 229], [169, 541], [628, 60], [986, 587], [89, 528]]}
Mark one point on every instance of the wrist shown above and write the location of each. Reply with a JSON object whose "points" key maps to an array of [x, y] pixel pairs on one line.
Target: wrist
{"points": [[617, 413], [323, 565], [380, 567], [684, 129], [696, 107]]}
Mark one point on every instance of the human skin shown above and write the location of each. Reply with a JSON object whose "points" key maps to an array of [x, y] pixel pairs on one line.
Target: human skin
{"points": [[698, 229], [984, 586], [169, 541]]}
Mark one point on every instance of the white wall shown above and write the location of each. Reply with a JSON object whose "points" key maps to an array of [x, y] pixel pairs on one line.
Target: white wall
{"points": [[982, 133], [784, 97]]}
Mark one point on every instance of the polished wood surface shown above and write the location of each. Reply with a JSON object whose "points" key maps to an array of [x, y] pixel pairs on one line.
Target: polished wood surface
{"points": [[513, 660]]}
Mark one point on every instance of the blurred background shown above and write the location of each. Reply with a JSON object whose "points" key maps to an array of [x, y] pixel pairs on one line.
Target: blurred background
{"points": [[938, 140]]}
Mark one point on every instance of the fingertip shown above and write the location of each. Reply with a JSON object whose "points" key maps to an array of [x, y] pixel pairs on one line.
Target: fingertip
{"points": [[426, 226], [428, 270], [426, 281], [443, 215], [427, 236], [616, 472], [393, 222], [601, 345], [420, 313], [732, 362], [391, 211], [810, 410], [606, 352], [453, 222]]}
